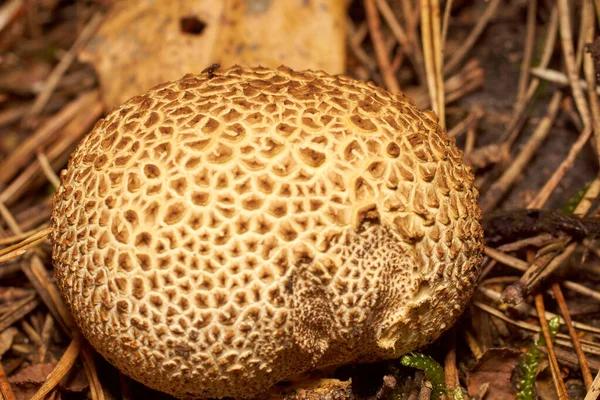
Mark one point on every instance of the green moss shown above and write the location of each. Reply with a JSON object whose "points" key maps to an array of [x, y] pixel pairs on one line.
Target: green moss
{"points": [[434, 372], [530, 361]]}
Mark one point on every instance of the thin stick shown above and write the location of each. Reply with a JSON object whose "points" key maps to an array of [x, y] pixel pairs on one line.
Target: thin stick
{"points": [[446, 22], [463, 125], [354, 40], [569, 57], [37, 274], [564, 310], [559, 385], [5, 389], [438, 59], [21, 156], [450, 370], [413, 52], [63, 65], [62, 368], [460, 54], [16, 238], [514, 126], [562, 169], [426, 38], [47, 169], [497, 191], [589, 70], [385, 66], [594, 391], [528, 52], [34, 238], [8, 11], [558, 77], [91, 371]]}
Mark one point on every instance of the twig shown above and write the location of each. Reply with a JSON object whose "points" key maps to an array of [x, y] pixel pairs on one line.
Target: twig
{"points": [[460, 54], [87, 357], [446, 22], [29, 242], [413, 52], [60, 371], [569, 57], [528, 52], [526, 309], [63, 65], [594, 390], [564, 310], [354, 39], [559, 384], [22, 154], [450, 370], [24, 235], [589, 70], [37, 274], [8, 11], [385, 66], [559, 78], [428, 52], [20, 309], [463, 125], [514, 125], [58, 151], [438, 58], [47, 169], [497, 191], [562, 169], [5, 389]]}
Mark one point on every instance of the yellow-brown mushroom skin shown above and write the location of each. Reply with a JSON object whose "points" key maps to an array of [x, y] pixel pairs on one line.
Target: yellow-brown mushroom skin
{"points": [[219, 234]]}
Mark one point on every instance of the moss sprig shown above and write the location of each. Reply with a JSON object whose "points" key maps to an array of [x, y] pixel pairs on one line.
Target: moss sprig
{"points": [[531, 360], [434, 372]]}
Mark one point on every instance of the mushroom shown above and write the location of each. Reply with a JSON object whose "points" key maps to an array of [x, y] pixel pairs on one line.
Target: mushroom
{"points": [[221, 233]]}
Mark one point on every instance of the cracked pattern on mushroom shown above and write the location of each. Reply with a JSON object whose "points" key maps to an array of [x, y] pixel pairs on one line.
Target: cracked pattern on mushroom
{"points": [[216, 235]]}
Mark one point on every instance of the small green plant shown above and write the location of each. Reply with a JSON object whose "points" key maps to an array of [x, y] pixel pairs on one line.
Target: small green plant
{"points": [[572, 203], [434, 372], [530, 361]]}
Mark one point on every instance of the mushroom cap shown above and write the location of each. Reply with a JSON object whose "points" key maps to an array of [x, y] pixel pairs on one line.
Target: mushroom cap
{"points": [[221, 233]]}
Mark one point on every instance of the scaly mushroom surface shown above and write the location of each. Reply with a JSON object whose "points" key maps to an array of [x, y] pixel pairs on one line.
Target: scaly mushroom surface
{"points": [[219, 234]]}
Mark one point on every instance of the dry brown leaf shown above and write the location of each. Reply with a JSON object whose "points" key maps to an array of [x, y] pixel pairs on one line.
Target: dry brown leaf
{"points": [[76, 381], [147, 42], [6, 339], [494, 367], [34, 374]]}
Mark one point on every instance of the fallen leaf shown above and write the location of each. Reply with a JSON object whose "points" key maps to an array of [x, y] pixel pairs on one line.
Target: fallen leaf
{"points": [[6, 339], [148, 42], [34, 374], [76, 381], [494, 367], [26, 382]]}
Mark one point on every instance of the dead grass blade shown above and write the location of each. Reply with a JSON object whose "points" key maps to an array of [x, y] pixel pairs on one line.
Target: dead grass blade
{"points": [[499, 188], [460, 54], [588, 27], [528, 52], [22, 155], [564, 310], [5, 389], [568, 51], [385, 66], [559, 384], [65, 61]]}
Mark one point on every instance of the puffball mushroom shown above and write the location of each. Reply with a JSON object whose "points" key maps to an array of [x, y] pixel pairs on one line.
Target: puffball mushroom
{"points": [[221, 233]]}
